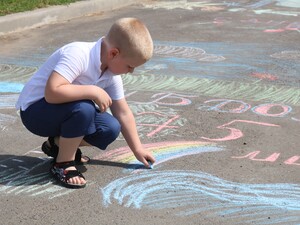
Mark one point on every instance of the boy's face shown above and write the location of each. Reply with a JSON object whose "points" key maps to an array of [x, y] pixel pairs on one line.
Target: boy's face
{"points": [[122, 65]]}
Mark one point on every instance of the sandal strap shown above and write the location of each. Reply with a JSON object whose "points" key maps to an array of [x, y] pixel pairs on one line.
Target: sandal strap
{"points": [[72, 173], [52, 141], [51, 150], [60, 173], [64, 165], [78, 155]]}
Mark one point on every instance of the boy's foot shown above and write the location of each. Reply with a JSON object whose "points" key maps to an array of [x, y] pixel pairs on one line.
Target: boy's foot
{"points": [[51, 149], [67, 175]]}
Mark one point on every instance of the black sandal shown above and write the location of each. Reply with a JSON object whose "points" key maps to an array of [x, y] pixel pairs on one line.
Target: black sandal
{"points": [[52, 151], [59, 172]]}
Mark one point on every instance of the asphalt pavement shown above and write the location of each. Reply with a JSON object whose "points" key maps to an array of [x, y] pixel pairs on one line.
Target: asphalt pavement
{"points": [[218, 105]]}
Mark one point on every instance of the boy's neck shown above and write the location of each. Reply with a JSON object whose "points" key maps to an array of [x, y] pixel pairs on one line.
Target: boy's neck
{"points": [[103, 54]]}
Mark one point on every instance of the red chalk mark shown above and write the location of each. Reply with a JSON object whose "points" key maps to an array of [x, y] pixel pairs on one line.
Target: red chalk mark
{"points": [[264, 110], [236, 133], [264, 76], [159, 127], [252, 155], [182, 100], [274, 30], [292, 160]]}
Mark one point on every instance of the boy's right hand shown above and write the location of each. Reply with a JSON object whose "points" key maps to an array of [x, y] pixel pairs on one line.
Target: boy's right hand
{"points": [[146, 157], [103, 100]]}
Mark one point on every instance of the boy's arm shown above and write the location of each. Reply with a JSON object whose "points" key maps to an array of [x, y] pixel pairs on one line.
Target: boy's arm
{"points": [[59, 90], [122, 112]]}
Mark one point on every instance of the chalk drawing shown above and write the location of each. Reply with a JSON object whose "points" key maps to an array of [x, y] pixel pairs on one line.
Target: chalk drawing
{"points": [[233, 6], [234, 132], [20, 175], [6, 121], [181, 4], [295, 26], [264, 76], [254, 91], [6, 87], [263, 3], [186, 52], [163, 152], [295, 119], [268, 26], [260, 3], [190, 193], [284, 3], [270, 11], [15, 74], [288, 55], [288, 3]]}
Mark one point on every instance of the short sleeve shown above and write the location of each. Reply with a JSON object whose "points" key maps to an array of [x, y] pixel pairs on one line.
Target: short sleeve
{"points": [[72, 62]]}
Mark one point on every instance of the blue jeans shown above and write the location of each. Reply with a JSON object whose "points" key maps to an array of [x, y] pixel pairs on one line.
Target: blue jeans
{"points": [[72, 119]]}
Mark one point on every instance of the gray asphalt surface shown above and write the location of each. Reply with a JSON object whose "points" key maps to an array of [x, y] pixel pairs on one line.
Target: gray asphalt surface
{"points": [[218, 105]]}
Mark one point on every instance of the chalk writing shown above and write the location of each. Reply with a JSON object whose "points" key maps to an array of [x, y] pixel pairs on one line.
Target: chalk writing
{"points": [[271, 158], [151, 119], [159, 127], [266, 108], [183, 99], [252, 155], [237, 106], [293, 160], [234, 132]]}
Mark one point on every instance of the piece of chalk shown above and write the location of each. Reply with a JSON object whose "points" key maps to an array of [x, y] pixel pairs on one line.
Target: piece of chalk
{"points": [[150, 164]]}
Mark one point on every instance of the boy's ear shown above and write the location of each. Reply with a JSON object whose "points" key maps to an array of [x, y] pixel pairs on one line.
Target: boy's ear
{"points": [[113, 52]]}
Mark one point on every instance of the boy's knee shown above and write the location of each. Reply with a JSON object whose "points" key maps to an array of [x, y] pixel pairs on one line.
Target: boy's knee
{"points": [[85, 111], [115, 128]]}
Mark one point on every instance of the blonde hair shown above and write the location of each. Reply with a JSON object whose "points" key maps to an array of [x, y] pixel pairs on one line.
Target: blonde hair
{"points": [[132, 38]]}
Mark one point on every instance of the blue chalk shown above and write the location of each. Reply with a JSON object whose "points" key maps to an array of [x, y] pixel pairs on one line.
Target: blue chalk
{"points": [[151, 165]]}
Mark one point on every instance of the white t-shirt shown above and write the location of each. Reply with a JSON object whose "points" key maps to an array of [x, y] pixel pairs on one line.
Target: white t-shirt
{"points": [[79, 63]]}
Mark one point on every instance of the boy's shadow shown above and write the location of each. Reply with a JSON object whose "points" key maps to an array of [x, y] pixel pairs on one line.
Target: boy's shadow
{"points": [[25, 170]]}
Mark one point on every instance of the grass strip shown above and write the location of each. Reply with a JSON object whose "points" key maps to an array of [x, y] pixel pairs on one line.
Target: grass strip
{"points": [[15, 6]]}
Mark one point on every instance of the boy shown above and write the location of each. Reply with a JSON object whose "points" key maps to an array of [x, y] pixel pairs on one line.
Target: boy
{"points": [[67, 98]]}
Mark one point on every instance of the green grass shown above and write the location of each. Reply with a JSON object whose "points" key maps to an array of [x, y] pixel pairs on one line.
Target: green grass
{"points": [[14, 6]]}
